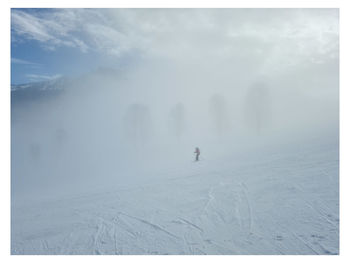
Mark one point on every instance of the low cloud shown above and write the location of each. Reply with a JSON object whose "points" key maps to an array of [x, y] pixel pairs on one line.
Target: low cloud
{"points": [[225, 80], [35, 77], [24, 62]]}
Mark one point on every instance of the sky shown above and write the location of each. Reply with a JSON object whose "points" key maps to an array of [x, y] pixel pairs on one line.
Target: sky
{"points": [[50, 43]]}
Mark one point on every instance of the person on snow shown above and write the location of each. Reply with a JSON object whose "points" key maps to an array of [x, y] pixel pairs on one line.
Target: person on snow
{"points": [[197, 152]]}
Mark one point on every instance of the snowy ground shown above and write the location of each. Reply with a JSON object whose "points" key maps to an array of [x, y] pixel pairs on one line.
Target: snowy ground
{"points": [[280, 202]]}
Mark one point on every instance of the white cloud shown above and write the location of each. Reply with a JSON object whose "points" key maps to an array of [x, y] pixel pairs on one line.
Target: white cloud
{"points": [[35, 77], [23, 62], [187, 33], [49, 28]]}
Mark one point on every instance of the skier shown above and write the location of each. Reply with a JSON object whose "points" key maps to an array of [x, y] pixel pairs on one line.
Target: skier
{"points": [[197, 152]]}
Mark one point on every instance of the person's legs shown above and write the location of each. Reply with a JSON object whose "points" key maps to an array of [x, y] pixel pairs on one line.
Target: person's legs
{"points": [[197, 157]]}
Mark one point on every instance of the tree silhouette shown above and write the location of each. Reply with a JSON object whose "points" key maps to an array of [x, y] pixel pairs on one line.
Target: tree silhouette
{"points": [[177, 122], [257, 106], [219, 113], [137, 123]]}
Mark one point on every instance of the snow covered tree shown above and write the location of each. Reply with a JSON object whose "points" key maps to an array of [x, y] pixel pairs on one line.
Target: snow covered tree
{"points": [[137, 123], [257, 106], [177, 121], [219, 112]]}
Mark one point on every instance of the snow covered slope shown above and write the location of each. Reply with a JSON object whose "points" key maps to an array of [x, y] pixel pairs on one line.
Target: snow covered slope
{"points": [[281, 201]]}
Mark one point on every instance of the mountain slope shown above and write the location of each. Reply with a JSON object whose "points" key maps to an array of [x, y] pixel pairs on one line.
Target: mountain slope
{"points": [[281, 202]]}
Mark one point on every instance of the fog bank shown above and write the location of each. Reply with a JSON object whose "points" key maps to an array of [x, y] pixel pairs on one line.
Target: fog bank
{"points": [[230, 82]]}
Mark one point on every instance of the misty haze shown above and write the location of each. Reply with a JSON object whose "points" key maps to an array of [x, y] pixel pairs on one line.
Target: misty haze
{"points": [[174, 131]]}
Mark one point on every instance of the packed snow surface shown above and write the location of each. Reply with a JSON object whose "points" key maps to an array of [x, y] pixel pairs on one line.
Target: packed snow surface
{"points": [[281, 201]]}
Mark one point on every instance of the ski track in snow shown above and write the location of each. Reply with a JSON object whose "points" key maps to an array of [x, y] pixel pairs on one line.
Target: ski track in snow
{"points": [[266, 207]]}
